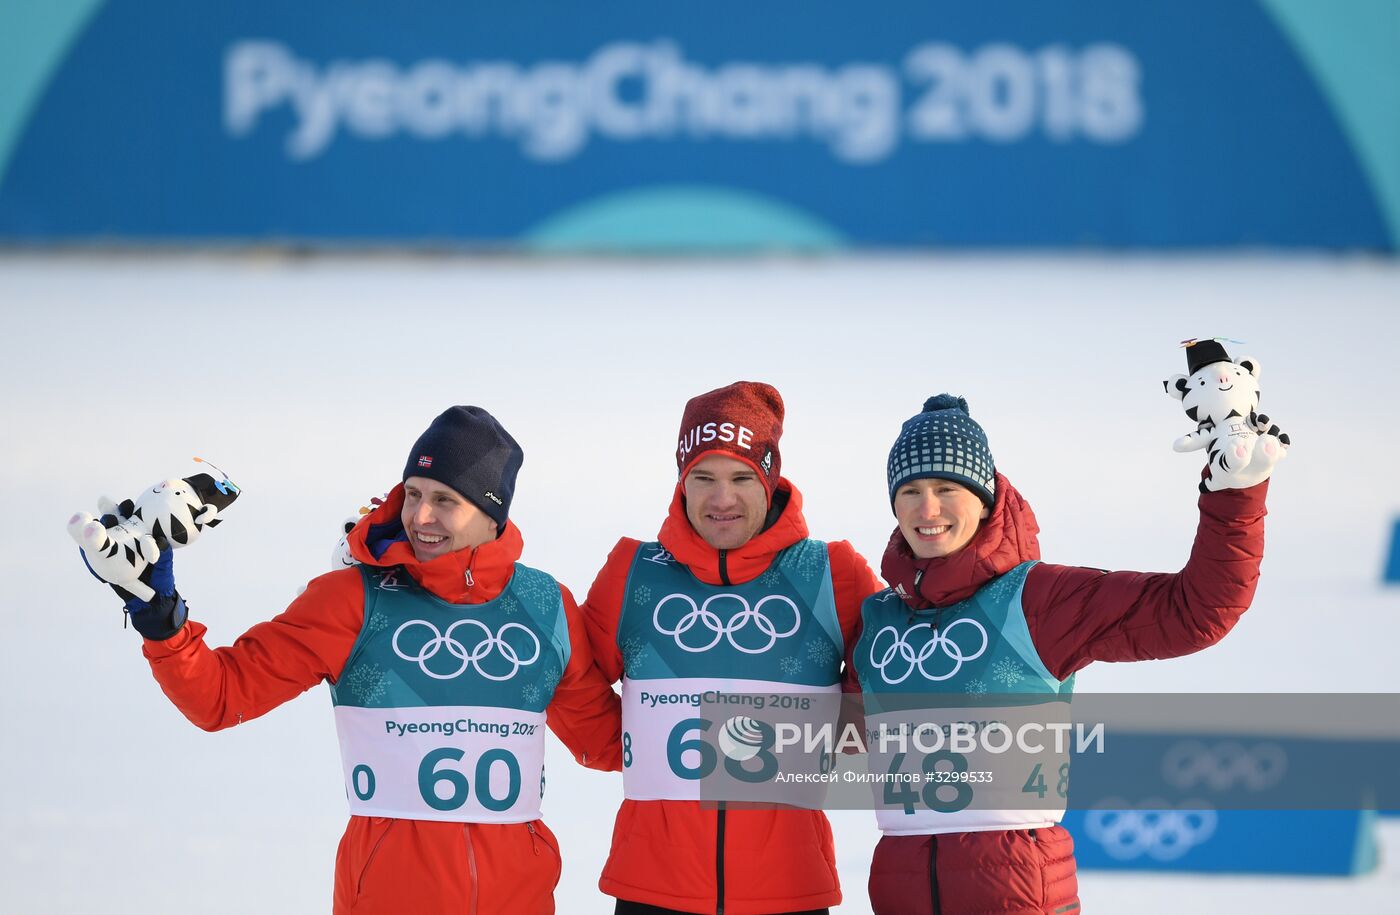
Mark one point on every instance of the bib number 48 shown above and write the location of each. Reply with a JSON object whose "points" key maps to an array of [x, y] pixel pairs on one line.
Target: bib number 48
{"points": [[902, 792]]}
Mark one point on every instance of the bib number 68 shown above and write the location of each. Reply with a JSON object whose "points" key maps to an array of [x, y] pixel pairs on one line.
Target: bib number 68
{"points": [[677, 745]]}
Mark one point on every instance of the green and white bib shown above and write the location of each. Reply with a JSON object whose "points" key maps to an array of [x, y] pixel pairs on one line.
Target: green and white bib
{"points": [[683, 640], [970, 667], [440, 707]]}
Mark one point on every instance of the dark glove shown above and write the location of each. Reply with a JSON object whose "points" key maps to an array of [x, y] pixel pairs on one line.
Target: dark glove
{"points": [[163, 615]]}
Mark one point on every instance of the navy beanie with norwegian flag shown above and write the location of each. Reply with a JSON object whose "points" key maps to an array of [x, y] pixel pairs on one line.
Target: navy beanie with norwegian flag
{"points": [[466, 449]]}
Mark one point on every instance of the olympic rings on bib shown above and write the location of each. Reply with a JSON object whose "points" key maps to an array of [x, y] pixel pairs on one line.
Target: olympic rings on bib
{"points": [[478, 653], [711, 622], [1224, 766], [1160, 834], [940, 643]]}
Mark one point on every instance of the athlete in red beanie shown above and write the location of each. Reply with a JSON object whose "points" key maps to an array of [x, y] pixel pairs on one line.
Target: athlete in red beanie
{"points": [[734, 531]]}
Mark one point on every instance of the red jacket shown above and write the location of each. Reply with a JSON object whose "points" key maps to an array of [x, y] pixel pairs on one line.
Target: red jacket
{"points": [[675, 854], [1075, 615], [395, 865]]}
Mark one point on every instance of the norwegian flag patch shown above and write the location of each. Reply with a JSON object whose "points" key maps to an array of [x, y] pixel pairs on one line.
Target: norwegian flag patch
{"points": [[425, 460]]}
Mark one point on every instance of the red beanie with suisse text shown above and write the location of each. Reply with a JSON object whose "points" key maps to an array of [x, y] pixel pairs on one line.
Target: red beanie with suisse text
{"points": [[743, 420]]}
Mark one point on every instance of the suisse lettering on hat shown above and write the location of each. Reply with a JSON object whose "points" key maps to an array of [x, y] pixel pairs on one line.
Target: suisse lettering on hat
{"points": [[743, 420]]}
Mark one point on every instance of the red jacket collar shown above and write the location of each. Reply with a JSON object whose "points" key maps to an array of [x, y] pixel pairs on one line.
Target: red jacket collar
{"points": [[1005, 540], [742, 564], [471, 576]]}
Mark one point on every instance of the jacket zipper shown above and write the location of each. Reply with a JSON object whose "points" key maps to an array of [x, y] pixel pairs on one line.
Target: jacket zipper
{"points": [[719, 855], [536, 834], [467, 576], [935, 907], [471, 868], [719, 817], [369, 859]]}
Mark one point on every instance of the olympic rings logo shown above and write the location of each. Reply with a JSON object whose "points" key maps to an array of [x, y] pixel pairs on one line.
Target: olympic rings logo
{"points": [[1224, 766], [710, 621], [476, 655], [1160, 834], [940, 643]]}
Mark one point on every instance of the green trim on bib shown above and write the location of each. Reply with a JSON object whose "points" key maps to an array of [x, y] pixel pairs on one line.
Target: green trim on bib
{"points": [[779, 627], [416, 650], [978, 646]]}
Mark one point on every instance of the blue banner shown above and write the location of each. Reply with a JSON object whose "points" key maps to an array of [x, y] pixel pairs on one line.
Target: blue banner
{"points": [[1277, 804], [1296, 842], [684, 125]]}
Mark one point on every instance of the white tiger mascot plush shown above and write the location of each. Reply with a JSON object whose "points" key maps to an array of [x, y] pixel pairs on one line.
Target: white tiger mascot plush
{"points": [[340, 556], [1222, 396], [128, 537]]}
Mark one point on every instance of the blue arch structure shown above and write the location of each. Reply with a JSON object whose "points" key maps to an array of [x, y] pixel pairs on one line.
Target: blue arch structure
{"points": [[682, 218]]}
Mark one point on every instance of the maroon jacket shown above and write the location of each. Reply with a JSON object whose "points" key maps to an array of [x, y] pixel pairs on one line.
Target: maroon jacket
{"points": [[1075, 615]]}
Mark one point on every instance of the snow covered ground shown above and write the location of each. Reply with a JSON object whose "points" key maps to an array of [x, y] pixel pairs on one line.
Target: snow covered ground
{"points": [[307, 378]]}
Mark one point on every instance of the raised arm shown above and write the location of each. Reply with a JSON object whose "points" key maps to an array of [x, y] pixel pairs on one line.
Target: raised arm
{"points": [[272, 662], [1077, 615]]}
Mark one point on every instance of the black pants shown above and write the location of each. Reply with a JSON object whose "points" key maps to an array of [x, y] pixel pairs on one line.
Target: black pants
{"points": [[638, 908]]}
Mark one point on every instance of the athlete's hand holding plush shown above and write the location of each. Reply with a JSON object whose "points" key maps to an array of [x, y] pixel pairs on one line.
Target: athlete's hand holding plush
{"points": [[164, 614], [129, 546], [1222, 395]]}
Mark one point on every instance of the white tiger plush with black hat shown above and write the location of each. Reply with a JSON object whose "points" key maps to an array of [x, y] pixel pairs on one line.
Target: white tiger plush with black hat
{"points": [[1222, 395], [128, 537]]}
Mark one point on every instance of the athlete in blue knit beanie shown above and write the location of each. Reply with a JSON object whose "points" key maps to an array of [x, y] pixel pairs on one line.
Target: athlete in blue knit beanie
{"points": [[943, 442]]}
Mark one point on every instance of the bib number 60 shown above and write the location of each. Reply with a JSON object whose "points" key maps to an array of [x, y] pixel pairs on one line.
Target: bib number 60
{"points": [[432, 780]]}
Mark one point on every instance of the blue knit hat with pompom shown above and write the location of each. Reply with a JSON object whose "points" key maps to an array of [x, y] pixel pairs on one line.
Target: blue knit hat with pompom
{"points": [[943, 442]]}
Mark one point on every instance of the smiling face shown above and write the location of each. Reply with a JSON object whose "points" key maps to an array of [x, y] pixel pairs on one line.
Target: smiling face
{"points": [[1218, 391], [725, 501], [937, 517], [439, 521]]}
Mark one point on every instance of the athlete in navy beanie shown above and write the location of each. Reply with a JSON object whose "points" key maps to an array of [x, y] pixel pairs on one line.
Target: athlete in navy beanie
{"points": [[467, 449]]}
